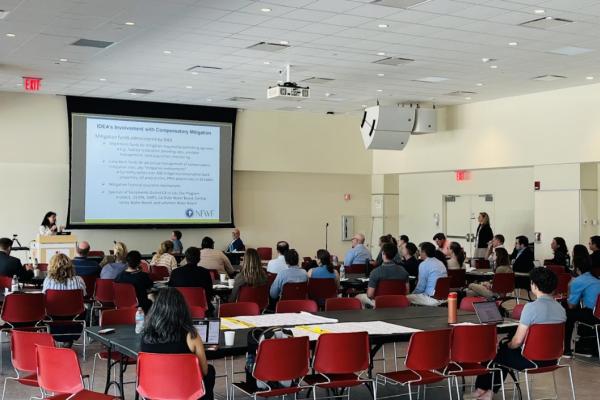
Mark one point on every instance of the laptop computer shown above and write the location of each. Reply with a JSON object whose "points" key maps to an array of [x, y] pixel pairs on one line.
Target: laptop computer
{"points": [[209, 330], [488, 313]]}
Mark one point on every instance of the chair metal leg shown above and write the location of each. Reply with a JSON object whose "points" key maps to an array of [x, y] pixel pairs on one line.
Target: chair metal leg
{"points": [[450, 388], [554, 382], [457, 388], [571, 380], [4, 389], [409, 392], [527, 386], [502, 385], [424, 392]]}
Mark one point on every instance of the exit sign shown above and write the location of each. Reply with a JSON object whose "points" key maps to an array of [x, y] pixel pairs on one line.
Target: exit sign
{"points": [[32, 84], [462, 175]]}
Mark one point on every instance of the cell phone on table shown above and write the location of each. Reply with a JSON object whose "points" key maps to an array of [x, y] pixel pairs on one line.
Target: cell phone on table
{"points": [[106, 331]]}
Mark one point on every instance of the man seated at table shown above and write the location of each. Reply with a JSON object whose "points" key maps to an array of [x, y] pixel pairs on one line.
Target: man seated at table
{"points": [[193, 275], [278, 264], [544, 310], [497, 242], [9, 265], [522, 255], [389, 270], [236, 243], [292, 274], [442, 243], [430, 270], [358, 254], [83, 265]]}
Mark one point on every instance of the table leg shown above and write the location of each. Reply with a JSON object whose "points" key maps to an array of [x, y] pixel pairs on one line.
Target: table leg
{"points": [[122, 366]]}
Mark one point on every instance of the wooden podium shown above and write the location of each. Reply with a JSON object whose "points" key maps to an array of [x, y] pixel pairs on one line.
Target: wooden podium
{"points": [[46, 246]]}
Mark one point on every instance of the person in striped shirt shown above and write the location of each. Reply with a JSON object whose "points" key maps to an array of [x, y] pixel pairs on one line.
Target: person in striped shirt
{"points": [[61, 275]]}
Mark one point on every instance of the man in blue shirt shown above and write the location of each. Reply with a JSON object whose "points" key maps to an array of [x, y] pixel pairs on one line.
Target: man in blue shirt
{"points": [[358, 254], [292, 274], [430, 270], [584, 289], [83, 265]]}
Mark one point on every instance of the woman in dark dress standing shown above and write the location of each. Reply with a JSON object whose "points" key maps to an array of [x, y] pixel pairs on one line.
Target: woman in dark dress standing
{"points": [[484, 235]]}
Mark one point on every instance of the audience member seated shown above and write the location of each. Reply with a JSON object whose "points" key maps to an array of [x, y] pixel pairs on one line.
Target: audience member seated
{"points": [[442, 243], [457, 256], [522, 256], [358, 254], [214, 259], [116, 262], [236, 243], [251, 274], [62, 276], [484, 289], [176, 240], [324, 268], [583, 290], [403, 240], [544, 310], [383, 240], [483, 235], [168, 329], [389, 270], [595, 249], [495, 243], [83, 265], [140, 280], [292, 274], [409, 259], [561, 253], [193, 275], [581, 258], [278, 264], [430, 270], [164, 257], [9, 265]]}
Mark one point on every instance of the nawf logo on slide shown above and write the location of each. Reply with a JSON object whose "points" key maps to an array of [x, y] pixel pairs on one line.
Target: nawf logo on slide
{"points": [[189, 213], [200, 213]]}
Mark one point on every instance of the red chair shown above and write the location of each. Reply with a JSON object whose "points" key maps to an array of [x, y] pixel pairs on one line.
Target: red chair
{"points": [[5, 282], [144, 266], [390, 286], [104, 295], [428, 353], [156, 380], [228, 310], [482, 263], [321, 289], [562, 287], [335, 366], [23, 308], [43, 267], [195, 298], [214, 274], [355, 269], [271, 278], [466, 304], [391, 301], [457, 278], [254, 294], [472, 352], [90, 285], [595, 327], [503, 284], [265, 253], [96, 253], [544, 342], [516, 311], [159, 272], [294, 306], [59, 372], [124, 295], [271, 366], [22, 355], [124, 316], [294, 291], [65, 308], [557, 269], [343, 304], [442, 289]]}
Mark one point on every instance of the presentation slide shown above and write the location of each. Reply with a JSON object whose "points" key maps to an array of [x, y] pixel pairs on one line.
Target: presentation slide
{"points": [[139, 171]]}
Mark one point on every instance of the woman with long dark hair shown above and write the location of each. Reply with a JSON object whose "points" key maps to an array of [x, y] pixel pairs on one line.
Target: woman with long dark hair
{"points": [[325, 268], [581, 258], [48, 226], [168, 329], [457, 256], [561, 252]]}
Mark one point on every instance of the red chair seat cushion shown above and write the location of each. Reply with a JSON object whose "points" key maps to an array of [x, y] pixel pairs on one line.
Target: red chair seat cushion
{"points": [[336, 380], [414, 377], [246, 388], [468, 369]]}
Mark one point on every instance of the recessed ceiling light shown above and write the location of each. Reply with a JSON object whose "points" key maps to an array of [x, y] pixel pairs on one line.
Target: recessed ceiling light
{"points": [[493, 66], [267, 62], [589, 78], [209, 99], [513, 43], [380, 90], [102, 79], [133, 94], [194, 72], [188, 87], [467, 98], [487, 59], [479, 84], [539, 11], [10, 35], [265, 9], [327, 94], [63, 60], [383, 26], [380, 74], [284, 42], [381, 53], [129, 23], [167, 51]]}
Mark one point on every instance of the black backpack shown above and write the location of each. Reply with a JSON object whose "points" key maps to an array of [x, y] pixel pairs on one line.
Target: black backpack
{"points": [[255, 336]]}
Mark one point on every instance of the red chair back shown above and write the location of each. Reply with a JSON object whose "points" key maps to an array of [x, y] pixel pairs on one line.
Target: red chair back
{"points": [[96, 253], [194, 296], [294, 291], [271, 366], [156, 380], [466, 304], [562, 287], [429, 350], [43, 267], [390, 286], [321, 289], [58, 370], [144, 266], [482, 263], [473, 343], [271, 278], [64, 303], [124, 295], [90, 284], [238, 309], [544, 342], [22, 346], [332, 355], [214, 274], [342, 304], [265, 253], [123, 316], [391, 301], [442, 288], [159, 272], [457, 278], [557, 269], [5, 282], [597, 308], [23, 308], [104, 292], [255, 294], [355, 269], [517, 310], [503, 283], [293, 306]]}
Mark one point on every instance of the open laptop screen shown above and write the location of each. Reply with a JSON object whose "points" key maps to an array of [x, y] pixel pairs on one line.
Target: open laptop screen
{"points": [[209, 330], [487, 312]]}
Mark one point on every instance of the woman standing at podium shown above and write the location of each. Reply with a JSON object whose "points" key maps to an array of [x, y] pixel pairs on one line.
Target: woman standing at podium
{"points": [[49, 227]]}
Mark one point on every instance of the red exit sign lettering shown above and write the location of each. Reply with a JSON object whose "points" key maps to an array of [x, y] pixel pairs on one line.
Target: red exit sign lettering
{"points": [[462, 175], [32, 84]]}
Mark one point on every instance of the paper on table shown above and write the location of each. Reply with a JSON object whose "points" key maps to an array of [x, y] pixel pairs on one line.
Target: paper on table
{"points": [[282, 319], [464, 324], [371, 327]]}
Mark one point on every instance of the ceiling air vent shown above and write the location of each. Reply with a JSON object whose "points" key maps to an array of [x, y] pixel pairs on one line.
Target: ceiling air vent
{"points": [[431, 79], [548, 78], [393, 61], [399, 3], [199, 68], [140, 91], [240, 98], [316, 80], [545, 22], [461, 93], [266, 46], [98, 44]]}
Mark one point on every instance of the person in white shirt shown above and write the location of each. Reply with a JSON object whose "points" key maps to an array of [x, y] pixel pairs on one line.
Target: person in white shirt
{"points": [[278, 264], [48, 226], [496, 243]]}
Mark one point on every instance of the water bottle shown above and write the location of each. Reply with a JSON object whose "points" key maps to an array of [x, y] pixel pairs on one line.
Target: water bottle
{"points": [[14, 286], [342, 272], [139, 321]]}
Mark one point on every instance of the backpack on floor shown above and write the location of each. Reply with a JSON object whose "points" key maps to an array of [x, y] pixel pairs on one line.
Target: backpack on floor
{"points": [[255, 336]]}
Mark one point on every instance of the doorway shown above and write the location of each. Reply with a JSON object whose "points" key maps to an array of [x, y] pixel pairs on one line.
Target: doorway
{"points": [[460, 217]]}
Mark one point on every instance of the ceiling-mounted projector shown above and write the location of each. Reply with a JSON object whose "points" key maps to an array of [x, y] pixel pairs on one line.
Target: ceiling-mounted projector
{"points": [[288, 89]]}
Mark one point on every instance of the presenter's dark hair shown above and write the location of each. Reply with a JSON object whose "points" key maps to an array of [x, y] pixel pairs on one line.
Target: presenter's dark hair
{"points": [[428, 248], [207, 243], [325, 259], [522, 240], [283, 247], [134, 259], [439, 236], [291, 257], [169, 319], [389, 250], [192, 256], [177, 234], [411, 248], [46, 220], [404, 238], [544, 279]]}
